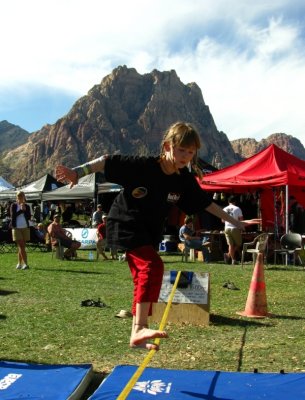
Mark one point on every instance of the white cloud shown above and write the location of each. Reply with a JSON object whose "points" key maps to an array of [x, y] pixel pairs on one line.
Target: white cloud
{"points": [[246, 57]]}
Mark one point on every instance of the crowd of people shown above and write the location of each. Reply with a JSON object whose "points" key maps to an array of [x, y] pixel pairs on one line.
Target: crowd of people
{"points": [[38, 220], [29, 222]]}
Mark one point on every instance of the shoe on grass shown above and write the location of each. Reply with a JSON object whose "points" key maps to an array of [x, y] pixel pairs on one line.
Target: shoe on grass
{"points": [[18, 266], [25, 266], [231, 286]]}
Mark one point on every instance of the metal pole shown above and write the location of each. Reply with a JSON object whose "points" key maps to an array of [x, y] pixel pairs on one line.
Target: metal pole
{"points": [[286, 209], [286, 217]]}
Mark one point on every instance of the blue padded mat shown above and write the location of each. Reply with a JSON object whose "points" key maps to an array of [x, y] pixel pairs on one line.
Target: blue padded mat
{"points": [[208, 385], [39, 381]]}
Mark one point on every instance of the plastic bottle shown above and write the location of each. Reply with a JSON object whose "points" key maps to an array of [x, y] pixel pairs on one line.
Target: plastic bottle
{"points": [[90, 255]]}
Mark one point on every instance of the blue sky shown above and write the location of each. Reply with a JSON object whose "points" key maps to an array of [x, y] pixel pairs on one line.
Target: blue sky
{"points": [[247, 57]]}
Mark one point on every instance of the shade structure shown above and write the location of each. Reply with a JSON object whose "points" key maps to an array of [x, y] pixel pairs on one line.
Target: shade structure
{"points": [[33, 190], [269, 168], [268, 171], [87, 188], [5, 185]]}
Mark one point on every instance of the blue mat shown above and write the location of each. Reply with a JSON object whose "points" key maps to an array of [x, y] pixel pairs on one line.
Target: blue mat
{"points": [[209, 385], [39, 381]]}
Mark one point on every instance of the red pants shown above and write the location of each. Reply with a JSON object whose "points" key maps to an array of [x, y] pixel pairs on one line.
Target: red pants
{"points": [[146, 269]]}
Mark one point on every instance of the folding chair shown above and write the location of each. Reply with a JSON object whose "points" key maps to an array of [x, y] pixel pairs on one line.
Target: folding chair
{"points": [[291, 244], [258, 245]]}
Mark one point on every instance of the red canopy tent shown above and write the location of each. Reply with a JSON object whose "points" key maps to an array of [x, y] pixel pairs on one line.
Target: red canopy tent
{"points": [[273, 173]]}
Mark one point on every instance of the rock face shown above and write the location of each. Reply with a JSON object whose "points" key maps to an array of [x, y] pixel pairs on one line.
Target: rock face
{"points": [[248, 147], [126, 113], [11, 136]]}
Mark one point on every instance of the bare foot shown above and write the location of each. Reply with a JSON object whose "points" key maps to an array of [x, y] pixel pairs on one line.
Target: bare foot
{"points": [[145, 345], [139, 339]]}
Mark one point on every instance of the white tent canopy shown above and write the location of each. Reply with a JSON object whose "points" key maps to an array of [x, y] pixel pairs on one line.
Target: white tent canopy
{"points": [[33, 190], [4, 185], [87, 188]]}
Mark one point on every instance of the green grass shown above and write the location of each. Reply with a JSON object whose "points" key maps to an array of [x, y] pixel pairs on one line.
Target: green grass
{"points": [[42, 321]]}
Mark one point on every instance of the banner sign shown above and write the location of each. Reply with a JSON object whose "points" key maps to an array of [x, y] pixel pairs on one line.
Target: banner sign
{"points": [[87, 237]]}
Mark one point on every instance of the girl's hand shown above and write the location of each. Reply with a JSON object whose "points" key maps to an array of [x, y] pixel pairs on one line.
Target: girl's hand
{"points": [[253, 221], [64, 175], [248, 222]]}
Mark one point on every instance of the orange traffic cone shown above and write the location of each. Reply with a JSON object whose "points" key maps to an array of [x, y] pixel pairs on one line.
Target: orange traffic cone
{"points": [[256, 305]]}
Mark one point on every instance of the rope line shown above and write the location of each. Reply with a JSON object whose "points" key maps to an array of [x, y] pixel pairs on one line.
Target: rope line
{"points": [[130, 384]]}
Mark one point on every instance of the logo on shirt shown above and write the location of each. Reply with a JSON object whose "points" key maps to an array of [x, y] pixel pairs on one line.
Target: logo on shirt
{"points": [[173, 197], [139, 192]]}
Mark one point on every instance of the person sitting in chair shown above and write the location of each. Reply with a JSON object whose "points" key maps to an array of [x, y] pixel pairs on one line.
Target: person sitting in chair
{"points": [[40, 232], [187, 235], [56, 233]]}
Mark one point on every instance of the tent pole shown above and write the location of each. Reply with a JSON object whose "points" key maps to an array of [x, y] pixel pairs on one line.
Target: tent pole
{"points": [[259, 209], [286, 217], [286, 209], [275, 226]]}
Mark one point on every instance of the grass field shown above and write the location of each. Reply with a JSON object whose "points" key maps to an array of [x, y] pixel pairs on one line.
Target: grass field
{"points": [[42, 321]]}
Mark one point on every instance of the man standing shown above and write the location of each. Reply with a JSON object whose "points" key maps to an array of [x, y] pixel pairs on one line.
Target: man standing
{"points": [[233, 234]]}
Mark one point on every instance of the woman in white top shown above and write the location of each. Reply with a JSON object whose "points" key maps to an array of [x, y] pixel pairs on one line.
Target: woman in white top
{"points": [[20, 217]]}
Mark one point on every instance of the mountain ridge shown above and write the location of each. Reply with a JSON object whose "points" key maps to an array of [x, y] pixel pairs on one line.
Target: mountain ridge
{"points": [[127, 113]]}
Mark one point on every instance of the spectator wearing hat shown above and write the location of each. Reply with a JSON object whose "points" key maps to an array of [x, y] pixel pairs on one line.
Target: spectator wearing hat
{"points": [[56, 233], [97, 216]]}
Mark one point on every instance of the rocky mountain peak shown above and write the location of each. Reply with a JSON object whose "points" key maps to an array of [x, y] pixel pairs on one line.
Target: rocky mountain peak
{"points": [[11, 135], [126, 113], [247, 147]]}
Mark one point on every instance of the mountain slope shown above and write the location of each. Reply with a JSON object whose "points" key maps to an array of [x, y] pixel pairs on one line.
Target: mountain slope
{"points": [[126, 113]]}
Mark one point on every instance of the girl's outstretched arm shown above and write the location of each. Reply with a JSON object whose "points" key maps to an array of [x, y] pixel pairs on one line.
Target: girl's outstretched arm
{"points": [[214, 209], [65, 174]]}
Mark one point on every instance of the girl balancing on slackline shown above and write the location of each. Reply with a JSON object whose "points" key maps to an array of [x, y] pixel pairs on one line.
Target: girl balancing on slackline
{"points": [[151, 185]]}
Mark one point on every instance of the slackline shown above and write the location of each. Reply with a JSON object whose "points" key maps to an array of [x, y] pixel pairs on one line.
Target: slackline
{"points": [[130, 384]]}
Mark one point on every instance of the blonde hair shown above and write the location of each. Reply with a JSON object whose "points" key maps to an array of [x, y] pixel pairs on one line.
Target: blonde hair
{"points": [[185, 135], [20, 193]]}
